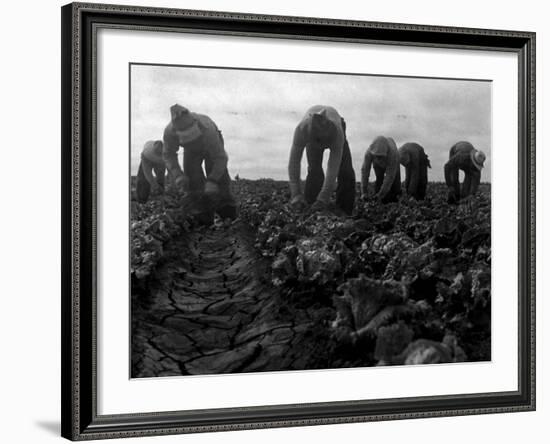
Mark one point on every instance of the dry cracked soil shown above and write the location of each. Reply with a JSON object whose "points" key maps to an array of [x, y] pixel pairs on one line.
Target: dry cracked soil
{"points": [[210, 308]]}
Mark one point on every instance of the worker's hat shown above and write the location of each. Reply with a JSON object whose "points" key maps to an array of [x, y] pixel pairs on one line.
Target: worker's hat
{"points": [[478, 157]]}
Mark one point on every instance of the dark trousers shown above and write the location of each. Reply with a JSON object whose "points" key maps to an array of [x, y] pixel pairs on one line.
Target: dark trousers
{"points": [[472, 177], [143, 187], [422, 183], [470, 185], [416, 181], [345, 189], [224, 204]]}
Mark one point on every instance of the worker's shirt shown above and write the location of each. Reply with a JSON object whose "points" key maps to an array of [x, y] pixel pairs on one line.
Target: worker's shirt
{"points": [[411, 154], [209, 145], [460, 157], [461, 161]]}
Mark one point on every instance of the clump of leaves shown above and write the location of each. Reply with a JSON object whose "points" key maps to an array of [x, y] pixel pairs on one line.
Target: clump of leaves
{"points": [[153, 224]]}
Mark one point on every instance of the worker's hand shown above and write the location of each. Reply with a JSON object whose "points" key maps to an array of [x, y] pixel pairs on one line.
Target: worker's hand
{"points": [[182, 182], [298, 203], [452, 197], [156, 189], [211, 188], [364, 197], [469, 202], [319, 205]]}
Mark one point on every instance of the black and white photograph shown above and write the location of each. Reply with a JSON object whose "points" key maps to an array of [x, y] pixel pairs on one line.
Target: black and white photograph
{"points": [[290, 221], [275, 222]]}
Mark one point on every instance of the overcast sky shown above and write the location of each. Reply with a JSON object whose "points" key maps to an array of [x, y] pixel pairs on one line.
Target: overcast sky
{"points": [[257, 112]]}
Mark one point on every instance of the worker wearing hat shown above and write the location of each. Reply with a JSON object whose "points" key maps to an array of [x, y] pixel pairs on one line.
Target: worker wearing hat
{"points": [[322, 128], [151, 160], [463, 156], [382, 154], [202, 142]]}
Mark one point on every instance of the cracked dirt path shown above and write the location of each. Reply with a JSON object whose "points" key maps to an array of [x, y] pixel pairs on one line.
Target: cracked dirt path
{"points": [[211, 308]]}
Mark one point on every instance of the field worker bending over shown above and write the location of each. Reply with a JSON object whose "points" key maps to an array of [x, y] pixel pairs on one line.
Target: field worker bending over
{"points": [[382, 154], [463, 156], [416, 163], [322, 128], [151, 160], [201, 141]]}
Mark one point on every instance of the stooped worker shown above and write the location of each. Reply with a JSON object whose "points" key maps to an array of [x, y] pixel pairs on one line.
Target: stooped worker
{"points": [[416, 163], [321, 128], [463, 156], [383, 156], [151, 161], [202, 141]]}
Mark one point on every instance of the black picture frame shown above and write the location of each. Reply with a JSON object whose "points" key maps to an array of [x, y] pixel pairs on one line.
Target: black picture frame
{"points": [[79, 396]]}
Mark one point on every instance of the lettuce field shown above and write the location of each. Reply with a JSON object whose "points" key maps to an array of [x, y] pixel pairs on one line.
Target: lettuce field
{"points": [[404, 283]]}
